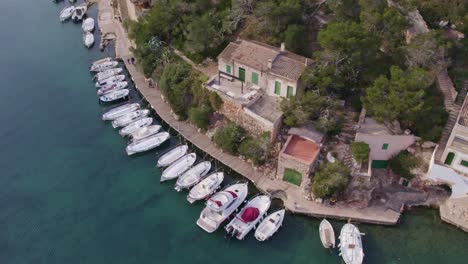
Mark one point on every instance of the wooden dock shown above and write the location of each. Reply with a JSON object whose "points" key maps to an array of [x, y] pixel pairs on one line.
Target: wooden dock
{"points": [[291, 195]]}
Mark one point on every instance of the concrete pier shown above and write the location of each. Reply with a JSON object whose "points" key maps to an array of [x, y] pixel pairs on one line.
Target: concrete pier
{"points": [[290, 194]]}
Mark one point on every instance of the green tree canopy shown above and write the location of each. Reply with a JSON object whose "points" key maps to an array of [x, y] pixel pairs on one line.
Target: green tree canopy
{"points": [[344, 10], [296, 39], [200, 116], [397, 97], [229, 137], [360, 151], [203, 33], [403, 163], [256, 148], [175, 84], [330, 179]]}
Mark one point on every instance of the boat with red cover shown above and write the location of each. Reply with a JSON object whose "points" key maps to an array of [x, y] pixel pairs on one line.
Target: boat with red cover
{"points": [[221, 205], [249, 216]]}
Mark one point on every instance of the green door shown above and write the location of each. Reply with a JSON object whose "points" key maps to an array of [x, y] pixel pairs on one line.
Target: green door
{"points": [[242, 74], [255, 78], [290, 91], [379, 164], [228, 68], [449, 158], [277, 88]]}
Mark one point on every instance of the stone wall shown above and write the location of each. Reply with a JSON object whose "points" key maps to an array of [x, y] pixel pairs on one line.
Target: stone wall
{"points": [[251, 122]]}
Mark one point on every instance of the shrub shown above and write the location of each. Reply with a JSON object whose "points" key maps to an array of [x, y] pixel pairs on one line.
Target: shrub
{"points": [[200, 116], [360, 151], [256, 149], [175, 84], [403, 163], [229, 137], [330, 178], [215, 101]]}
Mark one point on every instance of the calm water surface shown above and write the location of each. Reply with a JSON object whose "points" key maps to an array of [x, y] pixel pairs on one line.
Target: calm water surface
{"points": [[70, 194]]}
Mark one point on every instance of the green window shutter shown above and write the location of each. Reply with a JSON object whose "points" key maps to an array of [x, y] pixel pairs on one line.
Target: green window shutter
{"points": [[277, 88], [385, 146], [464, 163], [290, 91], [255, 78], [449, 159], [228, 68]]}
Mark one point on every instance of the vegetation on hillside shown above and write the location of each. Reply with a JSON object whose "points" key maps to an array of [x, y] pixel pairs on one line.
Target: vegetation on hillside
{"points": [[330, 179], [360, 151]]}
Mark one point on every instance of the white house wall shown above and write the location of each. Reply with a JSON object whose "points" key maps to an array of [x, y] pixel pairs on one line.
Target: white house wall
{"points": [[284, 86], [396, 144]]}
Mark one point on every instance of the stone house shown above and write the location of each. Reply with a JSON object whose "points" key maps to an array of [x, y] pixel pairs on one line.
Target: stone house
{"points": [[299, 155], [252, 79], [383, 144]]}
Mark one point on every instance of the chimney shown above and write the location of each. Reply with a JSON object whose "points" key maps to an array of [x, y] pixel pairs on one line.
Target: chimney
{"points": [[283, 48], [270, 63], [306, 62]]}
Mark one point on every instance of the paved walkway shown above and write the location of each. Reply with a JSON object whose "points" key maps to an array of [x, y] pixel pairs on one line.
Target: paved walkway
{"points": [[291, 195]]}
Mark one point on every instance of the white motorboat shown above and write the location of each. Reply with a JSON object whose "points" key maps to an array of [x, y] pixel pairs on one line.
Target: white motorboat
{"points": [[249, 216], [101, 76], [193, 176], [327, 234], [88, 25], [111, 88], [206, 187], [66, 13], [111, 80], [79, 12], [221, 205], [351, 245], [148, 143], [114, 96], [171, 156], [135, 126], [178, 167], [120, 111], [130, 117], [270, 225], [88, 39], [144, 132], [103, 66], [96, 62]]}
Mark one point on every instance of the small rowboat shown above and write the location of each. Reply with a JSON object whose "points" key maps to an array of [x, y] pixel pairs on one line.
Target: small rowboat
{"points": [[270, 225], [66, 13], [327, 235]]}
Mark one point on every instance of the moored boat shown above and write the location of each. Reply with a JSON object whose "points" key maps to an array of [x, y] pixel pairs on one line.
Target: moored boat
{"points": [[120, 111], [66, 13], [327, 234], [130, 117], [221, 205], [172, 155], [96, 62], [178, 167], [270, 225], [206, 187], [88, 25], [88, 39], [148, 143], [249, 216], [114, 96], [111, 88], [103, 66], [351, 244], [193, 175], [111, 80], [79, 12], [144, 132], [101, 76], [135, 126]]}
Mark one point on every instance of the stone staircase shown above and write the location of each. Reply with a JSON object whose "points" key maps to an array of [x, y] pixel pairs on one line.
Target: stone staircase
{"points": [[462, 94], [452, 105]]}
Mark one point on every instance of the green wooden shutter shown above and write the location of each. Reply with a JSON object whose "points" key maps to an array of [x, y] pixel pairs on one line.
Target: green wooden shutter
{"points": [[277, 88], [242, 74], [290, 91], [255, 78], [228, 68]]}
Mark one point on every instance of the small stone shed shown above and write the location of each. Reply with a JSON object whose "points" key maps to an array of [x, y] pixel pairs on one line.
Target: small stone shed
{"points": [[299, 155]]}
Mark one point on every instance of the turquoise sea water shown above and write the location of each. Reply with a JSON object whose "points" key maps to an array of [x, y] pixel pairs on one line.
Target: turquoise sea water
{"points": [[69, 193]]}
